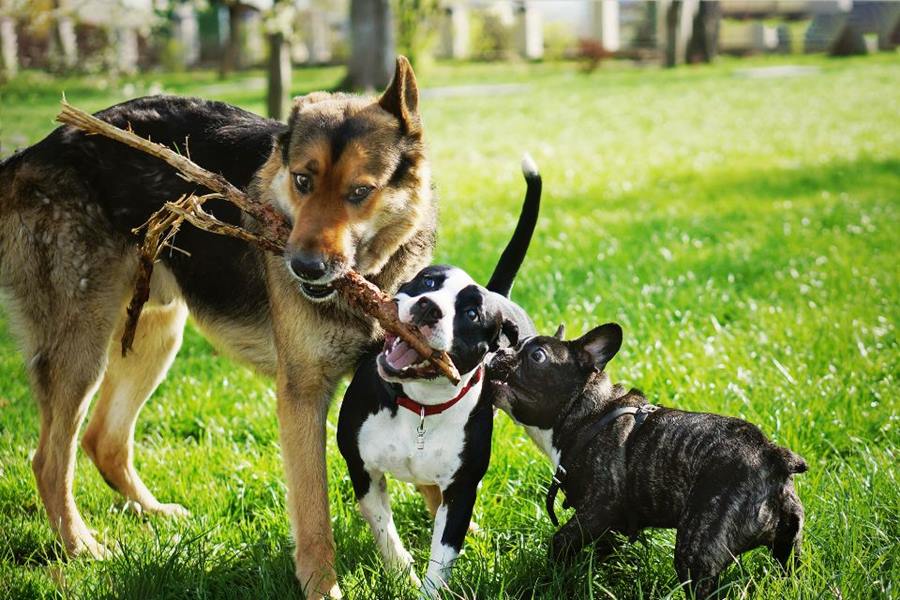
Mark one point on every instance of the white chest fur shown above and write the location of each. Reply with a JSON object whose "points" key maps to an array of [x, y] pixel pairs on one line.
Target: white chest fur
{"points": [[387, 442]]}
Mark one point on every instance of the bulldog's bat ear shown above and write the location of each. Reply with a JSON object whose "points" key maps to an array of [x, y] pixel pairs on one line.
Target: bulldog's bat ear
{"points": [[560, 332], [599, 345], [401, 98]]}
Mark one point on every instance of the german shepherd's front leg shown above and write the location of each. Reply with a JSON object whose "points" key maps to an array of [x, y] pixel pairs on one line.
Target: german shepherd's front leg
{"points": [[304, 392]]}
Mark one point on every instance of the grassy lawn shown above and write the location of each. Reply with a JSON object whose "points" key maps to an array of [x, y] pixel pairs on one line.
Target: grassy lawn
{"points": [[744, 232]]}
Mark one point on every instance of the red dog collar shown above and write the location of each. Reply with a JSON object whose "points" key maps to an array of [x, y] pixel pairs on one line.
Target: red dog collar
{"points": [[426, 410]]}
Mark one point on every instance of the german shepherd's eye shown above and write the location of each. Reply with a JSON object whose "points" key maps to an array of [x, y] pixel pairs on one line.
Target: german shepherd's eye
{"points": [[303, 183], [472, 314], [359, 194], [538, 355]]}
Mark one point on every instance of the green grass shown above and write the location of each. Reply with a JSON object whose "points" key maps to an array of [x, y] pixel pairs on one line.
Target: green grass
{"points": [[743, 232]]}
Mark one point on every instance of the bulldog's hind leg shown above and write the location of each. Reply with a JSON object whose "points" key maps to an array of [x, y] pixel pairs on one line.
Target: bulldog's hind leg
{"points": [[128, 383]]}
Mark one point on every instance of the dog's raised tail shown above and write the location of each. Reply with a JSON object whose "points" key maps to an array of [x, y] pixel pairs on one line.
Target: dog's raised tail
{"points": [[507, 268]]}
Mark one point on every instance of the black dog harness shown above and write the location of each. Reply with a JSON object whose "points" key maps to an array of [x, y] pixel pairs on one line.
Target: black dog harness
{"points": [[559, 477]]}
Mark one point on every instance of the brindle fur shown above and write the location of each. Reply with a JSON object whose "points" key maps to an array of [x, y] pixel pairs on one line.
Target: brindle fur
{"points": [[67, 263], [718, 480]]}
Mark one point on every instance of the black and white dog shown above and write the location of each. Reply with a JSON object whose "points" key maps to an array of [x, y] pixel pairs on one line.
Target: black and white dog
{"points": [[400, 416]]}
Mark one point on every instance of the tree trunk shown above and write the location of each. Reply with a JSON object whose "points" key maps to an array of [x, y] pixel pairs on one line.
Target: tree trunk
{"points": [[372, 36], [9, 54], [704, 44], [672, 16], [63, 44], [233, 46], [279, 77]]}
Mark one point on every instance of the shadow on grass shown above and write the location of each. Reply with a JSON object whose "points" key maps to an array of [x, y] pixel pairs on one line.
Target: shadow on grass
{"points": [[196, 567], [641, 569]]}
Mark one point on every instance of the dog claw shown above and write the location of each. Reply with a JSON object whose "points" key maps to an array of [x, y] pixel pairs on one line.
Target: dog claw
{"points": [[170, 510], [165, 510], [89, 547]]}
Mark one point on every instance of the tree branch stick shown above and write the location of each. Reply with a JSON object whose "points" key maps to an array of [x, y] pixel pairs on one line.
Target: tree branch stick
{"points": [[269, 218]]}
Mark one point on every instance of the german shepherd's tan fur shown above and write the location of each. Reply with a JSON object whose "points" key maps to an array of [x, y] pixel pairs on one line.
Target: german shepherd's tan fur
{"points": [[67, 263]]}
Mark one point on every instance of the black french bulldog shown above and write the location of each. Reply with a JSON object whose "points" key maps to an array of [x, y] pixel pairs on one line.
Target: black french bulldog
{"points": [[625, 464]]}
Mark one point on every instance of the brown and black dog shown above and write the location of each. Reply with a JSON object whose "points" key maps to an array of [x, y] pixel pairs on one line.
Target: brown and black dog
{"points": [[351, 175]]}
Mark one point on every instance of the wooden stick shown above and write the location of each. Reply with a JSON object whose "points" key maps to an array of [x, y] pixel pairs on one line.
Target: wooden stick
{"points": [[265, 214], [359, 293]]}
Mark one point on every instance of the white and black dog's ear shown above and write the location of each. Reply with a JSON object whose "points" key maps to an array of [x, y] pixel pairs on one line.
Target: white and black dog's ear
{"points": [[598, 346], [511, 331]]}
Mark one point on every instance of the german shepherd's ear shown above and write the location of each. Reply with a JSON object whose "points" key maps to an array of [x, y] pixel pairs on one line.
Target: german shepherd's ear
{"points": [[401, 98]]}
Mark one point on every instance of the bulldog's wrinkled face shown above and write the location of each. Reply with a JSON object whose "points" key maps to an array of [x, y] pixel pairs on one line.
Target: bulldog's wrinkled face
{"points": [[453, 314], [537, 379]]}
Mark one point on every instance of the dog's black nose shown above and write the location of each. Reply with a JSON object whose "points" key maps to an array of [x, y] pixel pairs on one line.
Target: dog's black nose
{"points": [[426, 312], [308, 266]]}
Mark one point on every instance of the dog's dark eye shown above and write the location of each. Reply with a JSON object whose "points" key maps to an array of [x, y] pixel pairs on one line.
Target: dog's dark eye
{"points": [[359, 194], [538, 355], [303, 183], [428, 282], [472, 314]]}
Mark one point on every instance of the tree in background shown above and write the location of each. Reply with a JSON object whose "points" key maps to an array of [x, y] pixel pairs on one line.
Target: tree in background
{"points": [[704, 44], [10, 11], [416, 24], [63, 44], [279, 27], [372, 50], [232, 48]]}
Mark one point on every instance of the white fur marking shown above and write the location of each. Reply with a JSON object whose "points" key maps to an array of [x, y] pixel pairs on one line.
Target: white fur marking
{"points": [[529, 167], [442, 558], [279, 189], [387, 443], [543, 439]]}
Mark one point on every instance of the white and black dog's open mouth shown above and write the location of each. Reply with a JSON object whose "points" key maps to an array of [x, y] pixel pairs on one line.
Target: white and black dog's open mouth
{"points": [[397, 360]]}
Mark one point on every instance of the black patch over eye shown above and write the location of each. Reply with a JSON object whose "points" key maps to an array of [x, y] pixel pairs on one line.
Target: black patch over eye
{"points": [[538, 355], [472, 314], [359, 193], [303, 183], [428, 282]]}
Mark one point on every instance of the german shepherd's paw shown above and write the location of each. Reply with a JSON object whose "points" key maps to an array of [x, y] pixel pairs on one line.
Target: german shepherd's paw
{"points": [[157, 508], [86, 545]]}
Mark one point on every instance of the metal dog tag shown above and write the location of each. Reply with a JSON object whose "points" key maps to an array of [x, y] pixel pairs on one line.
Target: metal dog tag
{"points": [[420, 431]]}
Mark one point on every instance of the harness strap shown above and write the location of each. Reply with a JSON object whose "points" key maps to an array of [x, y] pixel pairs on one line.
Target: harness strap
{"points": [[559, 476]]}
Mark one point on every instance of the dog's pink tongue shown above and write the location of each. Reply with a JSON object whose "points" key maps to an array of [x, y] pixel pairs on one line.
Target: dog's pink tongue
{"points": [[402, 356]]}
